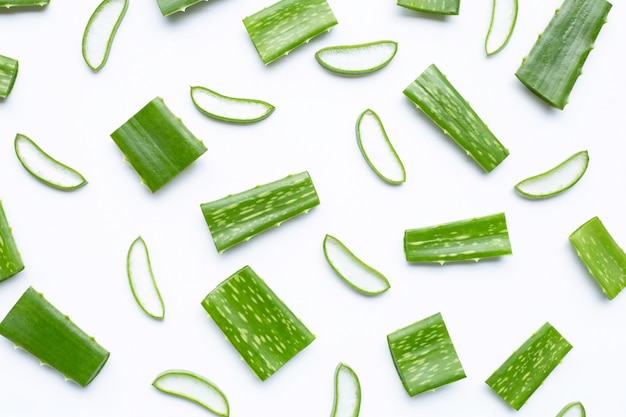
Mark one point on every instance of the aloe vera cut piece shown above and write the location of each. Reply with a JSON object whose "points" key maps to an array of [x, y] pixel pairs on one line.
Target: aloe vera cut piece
{"points": [[23, 3], [238, 217], [141, 280], [347, 400], [445, 7], [169, 7], [8, 73], [529, 366], [503, 20], [603, 257], [229, 109], [556, 60], [573, 409], [424, 355], [358, 59], [441, 102], [36, 326], [10, 258], [462, 240], [265, 332], [100, 31], [287, 24]]}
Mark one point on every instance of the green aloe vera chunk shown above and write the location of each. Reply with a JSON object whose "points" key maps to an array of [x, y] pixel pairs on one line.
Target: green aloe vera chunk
{"points": [[238, 217], [157, 144], [287, 24], [23, 3], [555, 61], [448, 7], [36, 326], [462, 240], [169, 7], [10, 259], [528, 367], [8, 74], [603, 257], [424, 355], [256, 322], [441, 102]]}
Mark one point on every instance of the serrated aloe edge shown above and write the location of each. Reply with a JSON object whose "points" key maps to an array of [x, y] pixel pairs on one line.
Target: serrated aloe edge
{"points": [[503, 20], [573, 409], [169, 7], [141, 280], [10, 258], [347, 399], [229, 109], [358, 59], [23, 3], [100, 31], [445, 7], [8, 74]]}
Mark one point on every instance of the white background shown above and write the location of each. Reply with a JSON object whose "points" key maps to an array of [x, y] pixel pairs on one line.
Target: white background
{"points": [[74, 244]]}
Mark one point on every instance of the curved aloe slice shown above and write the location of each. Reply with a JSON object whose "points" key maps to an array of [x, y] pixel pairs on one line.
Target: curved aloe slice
{"points": [[193, 387], [169, 7], [573, 409], [230, 109], [347, 402], [503, 19], [557, 179], [357, 59], [45, 168], [377, 149], [100, 31], [446, 7], [141, 280], [8, 74], [10, 258], [352, 270], [23, 3]]}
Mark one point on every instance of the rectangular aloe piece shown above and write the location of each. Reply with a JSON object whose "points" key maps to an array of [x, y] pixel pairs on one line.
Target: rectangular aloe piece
{"points": [[462, 240], [528, 367], [10, 259], [169, 7], [256, 322], [442, 103], [285, 25], [555, 61], [238, 217], [36, 326], [8, 74], [448, 7]]}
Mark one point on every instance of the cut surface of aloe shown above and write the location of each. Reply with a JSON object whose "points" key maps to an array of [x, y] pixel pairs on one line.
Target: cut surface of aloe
{"points": [[352, 270], [100, 31], [193, 387], [44, 167], [529, 366], [287, 24], [442, 103], [357, 59], [229, 109], [23, 3], [556, 60], [10, 258], [265, 332], [446, 7], [573, 409], [503, 19], [556, 180], [8, 73], [141, 280], [347, 400], [169, 7], [36, 326]]}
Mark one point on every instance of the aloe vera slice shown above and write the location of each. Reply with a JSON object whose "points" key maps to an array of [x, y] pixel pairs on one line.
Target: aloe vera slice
{"points": [[603, 257], [193, 387], [169, 7], [44, 167], [100, 31], [573, 409], [445, 7], [556, 180], [442, 103], [229, 109], [287, 24], [529, 366], [157, 144], [8, 74], [256, 322], [347, 400], [23, 3], [10, 258], [36, 326], [141, 280], [503, 19], [357, 59], [462, 240], [352, 270], [555, 61], [377, 149], [238, 217], [424, 355]]}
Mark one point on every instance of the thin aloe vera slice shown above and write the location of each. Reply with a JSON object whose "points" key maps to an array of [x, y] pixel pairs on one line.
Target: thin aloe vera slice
{"points": [[377, 150], [169, 7], [10, 258], [462, 240], [44, 167], [424, 355], [100, 31], [352, 270], [446, 7], [23, 3], [556, 60], [8, 73], [157, 144], [347, 400], [441, 102], [141, 280], [229, 109], [287, 24], [357, 59], [265, 332], [193, 387], [603, 257], [238, 217], [529, 366], [36, 326], [573, 409], [503, 19], [556, 180]]}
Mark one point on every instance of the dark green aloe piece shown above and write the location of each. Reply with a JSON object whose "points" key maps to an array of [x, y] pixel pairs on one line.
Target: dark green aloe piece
{"points": [[23, 3], [10, 259], [8, 74], [169, 7], [448, 7]]}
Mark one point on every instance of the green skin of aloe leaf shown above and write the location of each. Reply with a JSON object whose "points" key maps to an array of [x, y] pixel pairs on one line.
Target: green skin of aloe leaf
{"points": [[23, 3], [603, 257], [443, 104], [8, 74], [447, 7], [528, 367], [169, 7], [10, 259], [556, 60], [256, 322], [36, 326], [424, 355], [278, 29]]}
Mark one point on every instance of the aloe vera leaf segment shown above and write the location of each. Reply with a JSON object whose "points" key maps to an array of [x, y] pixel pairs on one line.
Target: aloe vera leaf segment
{"points": [[100, 31], [229, 109], [445, 7], [503, 20], [141, 280], [10, 258], [347, 399], [573, 409], [8, 73], [169, 7], [358, 59], [23, 3]]}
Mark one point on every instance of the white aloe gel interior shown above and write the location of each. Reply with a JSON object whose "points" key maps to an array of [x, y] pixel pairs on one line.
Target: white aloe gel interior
{"points": [[501, 25], [347, 390], [194, 388], [377, 148], [142, 280], [358, 58], [228, 107], [556, 180], [98, 34], [575, 410]]}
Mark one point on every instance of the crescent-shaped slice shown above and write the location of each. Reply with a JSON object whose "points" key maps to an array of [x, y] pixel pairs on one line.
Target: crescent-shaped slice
{"points": [[100, 31], [503, 19], [357, 59], [141, 280], [229, 109], [347, 401], [573, 409]]}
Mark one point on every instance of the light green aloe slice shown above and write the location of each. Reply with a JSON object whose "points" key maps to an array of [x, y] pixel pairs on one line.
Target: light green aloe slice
{"points": [[357, 59], [100, 31], [445, 7], [8, 73], [23, 3], [141, 280], [229, 109], [503, 19], [347, 400], [44, 167], [169, 7], [573, 409], [193, 387], [10, 258]]}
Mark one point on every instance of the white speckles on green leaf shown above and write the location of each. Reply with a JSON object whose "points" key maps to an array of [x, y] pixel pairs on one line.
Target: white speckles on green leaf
{"points": [[445, 7], [8, 74], [10, 259]]}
